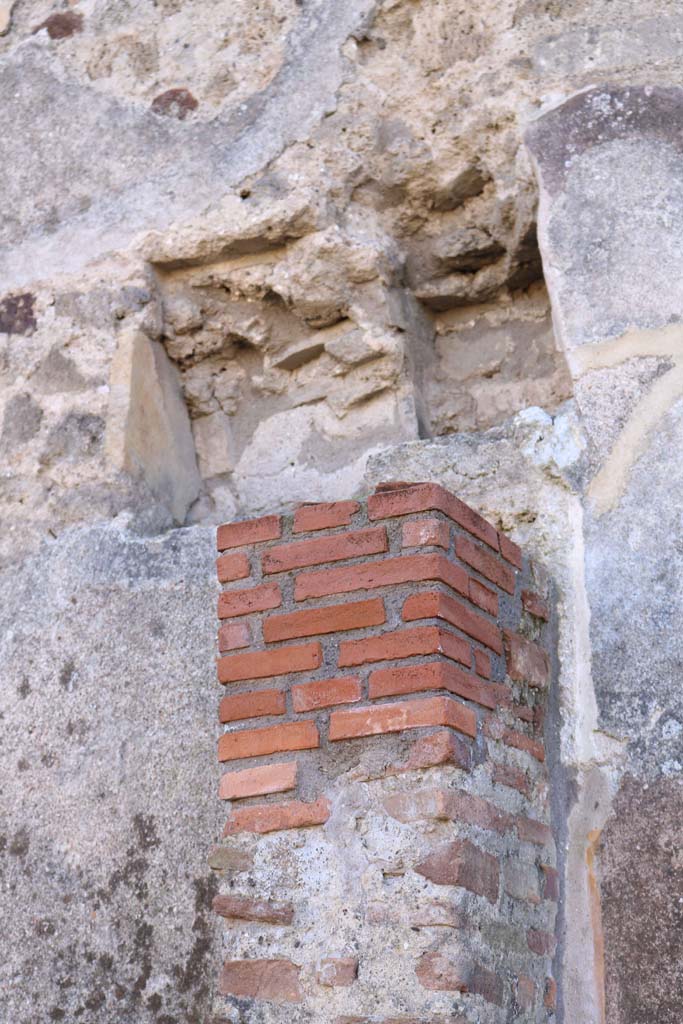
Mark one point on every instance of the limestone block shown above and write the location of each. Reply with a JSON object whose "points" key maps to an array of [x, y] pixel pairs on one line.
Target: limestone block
{"points": [[611, 210], [148, 431], [215, 444], [5, 16]]}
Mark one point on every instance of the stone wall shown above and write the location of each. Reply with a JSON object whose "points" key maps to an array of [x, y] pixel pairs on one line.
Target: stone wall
{"points": [[255, 254], [388, 853]]}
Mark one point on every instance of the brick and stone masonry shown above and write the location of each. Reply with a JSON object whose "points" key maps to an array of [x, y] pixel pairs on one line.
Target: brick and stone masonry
{"points": [[387, 854]]}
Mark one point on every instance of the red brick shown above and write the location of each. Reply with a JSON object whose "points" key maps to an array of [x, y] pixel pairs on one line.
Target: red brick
{"points": [[405, 643], [398, 485], [267, 778], [497, 730], [232, 636], [486, 563], [244, 908], [324, 516], [526, 661], [526, 992], [335, 548], [524, 713], [550, 994], [514, 778], [551, 883], [436, 675], [263, 664], [325, 693], [337, 972], [510, 551], [425, 532], [251, 531], [332, 619], [462, 863], [255, 704], [386, 572], [277, 817], [440, 747], [228, 858], [432, 604], [542, 943], [447, 805], [276, 980], [427, 498], [482, 664], [270, 739], [409, 714], [439, 973], [232, 567], [534, 604], [531, 831], [521, 881], [480, 595], [253, 599]]}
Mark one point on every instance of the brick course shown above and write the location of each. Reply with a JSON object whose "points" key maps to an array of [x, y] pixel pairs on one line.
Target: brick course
{"points": [[354, 658]]}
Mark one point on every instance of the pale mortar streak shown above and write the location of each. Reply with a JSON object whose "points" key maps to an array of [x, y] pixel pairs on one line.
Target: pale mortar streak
{"points": [[609, 483]]}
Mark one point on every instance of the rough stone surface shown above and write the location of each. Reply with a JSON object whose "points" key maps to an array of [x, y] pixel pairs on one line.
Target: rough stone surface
{"points": [[326, 216], [108, 777], [606, 160], [148, 429]]}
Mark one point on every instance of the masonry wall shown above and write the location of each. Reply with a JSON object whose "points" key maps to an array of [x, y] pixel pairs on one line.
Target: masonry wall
{"points": [[387, 853]]}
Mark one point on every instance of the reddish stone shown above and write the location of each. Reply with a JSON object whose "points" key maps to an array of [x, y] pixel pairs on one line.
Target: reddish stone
{"points": [[325, 693], [267, 778], [514, 778], [535, 605], [232, 567], [385, 572], [334, 548], [276, 817], [510, 551], [435, 675], [426, 532], [250, 531], [255, 704], [62, 24], [337, 972], [276, 980], [439, 973], [430, 497], [448, 805], [440, 747], [550, 994], [272, 739], [540, 942], [244, 908], [410, 714], [482, 664], [324, 516], [551, 883], [264, 664], [232, 636], [526, 661], [432, 604], [486, 563], [482, 596], [462, 863], [526, 992], [233, 603], [405, 643], [331, 619]]}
